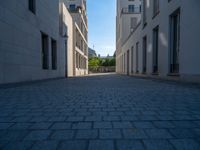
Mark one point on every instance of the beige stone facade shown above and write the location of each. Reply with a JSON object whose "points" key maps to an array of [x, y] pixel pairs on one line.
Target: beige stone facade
{"points": [[30, 44], [79, 27], [42, 39], [164, 42]]}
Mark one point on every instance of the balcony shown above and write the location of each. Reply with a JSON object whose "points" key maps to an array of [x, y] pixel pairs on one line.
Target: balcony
{"points": [[75, 10], [136, 10]]}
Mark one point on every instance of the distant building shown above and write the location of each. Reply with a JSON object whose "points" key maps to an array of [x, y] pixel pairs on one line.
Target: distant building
{"points": [[91, 53], [79, 27]]}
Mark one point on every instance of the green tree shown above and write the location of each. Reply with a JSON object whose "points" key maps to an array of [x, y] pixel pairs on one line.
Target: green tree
{"points": [[94, 62]]}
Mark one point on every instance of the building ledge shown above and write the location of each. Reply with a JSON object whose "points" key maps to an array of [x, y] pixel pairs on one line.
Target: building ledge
{"points": [[173, 74]]}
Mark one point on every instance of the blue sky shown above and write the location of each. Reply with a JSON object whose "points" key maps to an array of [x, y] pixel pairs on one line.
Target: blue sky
{"points": [[101, 22]]}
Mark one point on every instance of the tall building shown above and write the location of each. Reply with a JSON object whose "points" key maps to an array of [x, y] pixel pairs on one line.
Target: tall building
{"points": [[77, 10], [164, 43], [42, 39], [128, 17], [30, 44]]}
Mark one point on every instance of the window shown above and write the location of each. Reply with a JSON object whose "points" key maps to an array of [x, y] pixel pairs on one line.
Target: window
{"points": [[32, 6], [137, 56], [131, 8], [174, 41], [155, 7], [124, 62], [121, 63], [155, 49], [45, 51], [132, 55], [133, 23], [144, 12], [54, 54], [128, 62], [144, 54], [72, 7], [77, 60]]}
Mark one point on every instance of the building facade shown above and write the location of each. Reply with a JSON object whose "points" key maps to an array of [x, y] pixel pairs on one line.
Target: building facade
{"points": [[128, 17], [37, 44], [77, 10], [30, 44], [165, 41]]}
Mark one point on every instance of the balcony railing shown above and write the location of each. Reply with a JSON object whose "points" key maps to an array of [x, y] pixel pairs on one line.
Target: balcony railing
{"points": [[75, 10], [136, 10]]}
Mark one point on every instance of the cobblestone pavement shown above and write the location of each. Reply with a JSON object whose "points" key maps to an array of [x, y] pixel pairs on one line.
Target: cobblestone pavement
{"points": [[100, 113]]}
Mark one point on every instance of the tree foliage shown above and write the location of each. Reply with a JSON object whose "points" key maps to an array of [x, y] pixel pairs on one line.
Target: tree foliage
{"points": [[96, 61]]}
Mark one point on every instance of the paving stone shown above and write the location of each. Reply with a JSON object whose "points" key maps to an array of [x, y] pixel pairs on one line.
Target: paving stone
{"points": [[3, 144], [2, 133], [75, 119], [164, 124], [93, 118], [20, 126], [143, 124], [165, 117], [185, 144], [6, 119], [111, 118], [22, 119], [147, 117], [101, 145], [99, 113], [102, 125], [129, 118], [185, 124], [158, 134], [5, 125], [122, 125], [110, 134], [14, 135], [73, 145], [134, 134], [130, 145], [57, 119], [196, 132], [116, 113], [45, 145], [40, 126], [82, 125], [183, 133], [158, 145], [158, 112], [39, 119], [62, 135], [38, 135], [87, 134], [61, 126], [18, 145]]}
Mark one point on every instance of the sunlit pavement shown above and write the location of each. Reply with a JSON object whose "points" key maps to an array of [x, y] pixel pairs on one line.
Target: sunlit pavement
{"points": [[100, 113]]}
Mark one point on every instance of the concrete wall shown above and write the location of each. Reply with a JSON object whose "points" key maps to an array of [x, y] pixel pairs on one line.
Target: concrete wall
{"points": [[189, 33], [20, 40]]}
